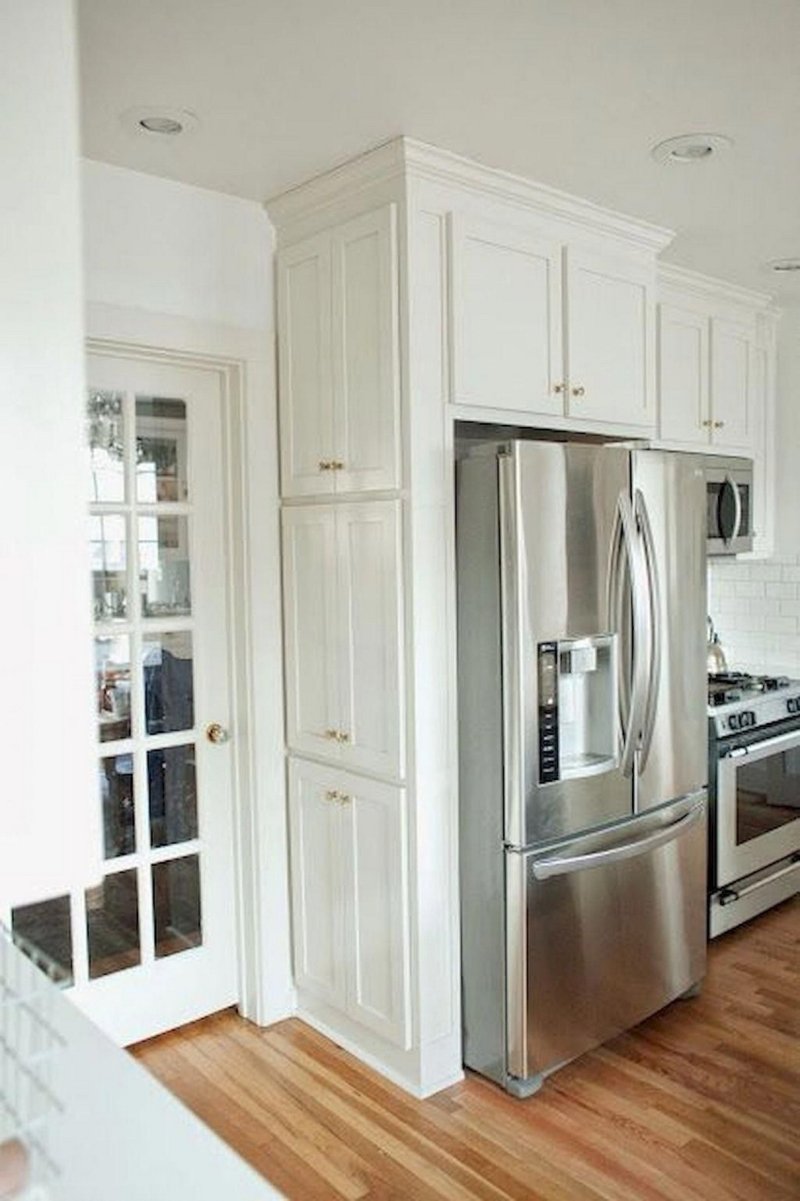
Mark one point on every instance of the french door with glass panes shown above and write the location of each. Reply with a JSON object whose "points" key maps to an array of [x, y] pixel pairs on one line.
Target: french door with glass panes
{"points": [[153, 945]]}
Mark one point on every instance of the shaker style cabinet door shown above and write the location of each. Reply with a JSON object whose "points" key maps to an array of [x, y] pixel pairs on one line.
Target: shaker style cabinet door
{"points": [[304, 367], [366, 368], [369, 598], [732, 345], [350, 896], [505, 318], [318, 907], [684, 407], [338, 359], [376, 916], [611, 349], [310, 628], [342, 619]]}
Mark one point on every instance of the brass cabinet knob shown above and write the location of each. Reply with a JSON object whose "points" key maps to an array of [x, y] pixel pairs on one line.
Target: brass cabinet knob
{"points": [[325, 465], [579, 390], [558, 389], [337, 465], [339, 798], [332, 735], [216, 733], [718, 425], [706, 424], [342, 736]]}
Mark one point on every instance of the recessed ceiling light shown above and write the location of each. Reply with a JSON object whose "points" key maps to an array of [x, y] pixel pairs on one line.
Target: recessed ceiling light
{"points": [[784, 264], [159, 121], [690, 148]]}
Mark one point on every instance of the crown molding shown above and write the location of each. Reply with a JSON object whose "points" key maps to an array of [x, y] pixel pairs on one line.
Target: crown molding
{"points": [[706, 287], [405, 158]]}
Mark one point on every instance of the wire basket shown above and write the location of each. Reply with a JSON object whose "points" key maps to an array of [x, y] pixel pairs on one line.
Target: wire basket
{"points": [[29, 1041]]}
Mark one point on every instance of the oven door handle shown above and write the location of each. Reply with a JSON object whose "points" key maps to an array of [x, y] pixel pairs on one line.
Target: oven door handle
{"points": [[770, 746]]}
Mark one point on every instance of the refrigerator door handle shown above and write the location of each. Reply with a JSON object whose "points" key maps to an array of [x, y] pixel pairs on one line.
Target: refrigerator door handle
{"points": [[655, 619], [546, 869], [625, 526]]}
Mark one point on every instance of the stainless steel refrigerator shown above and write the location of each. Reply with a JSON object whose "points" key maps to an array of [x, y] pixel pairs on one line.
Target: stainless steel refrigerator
{"points": [[583, 755]]}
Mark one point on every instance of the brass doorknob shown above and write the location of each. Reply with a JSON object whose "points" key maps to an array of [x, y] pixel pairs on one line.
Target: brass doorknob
{"points": [[216, 733]]}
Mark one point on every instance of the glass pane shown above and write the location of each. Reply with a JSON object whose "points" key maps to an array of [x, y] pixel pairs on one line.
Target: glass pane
{"points": [[173, 795], [164, 566], [168, 682], [767, 795], [107, 445], [112, 924], [112, 659], [116, 798], [176, 905], [47, 925], [109, 563], [160, 450]]}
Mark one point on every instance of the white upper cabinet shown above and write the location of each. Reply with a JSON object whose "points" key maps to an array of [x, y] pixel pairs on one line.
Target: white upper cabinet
{"points": [[683, 375], [610, 339], [711, 396], [304, 363], [506, 318], [732, 399], [342, 617], [338, 359], [349, 843], [543, 327]]}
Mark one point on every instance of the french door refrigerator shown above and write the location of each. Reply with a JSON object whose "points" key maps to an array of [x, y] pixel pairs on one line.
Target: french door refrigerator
{"points": [[583, 755]]}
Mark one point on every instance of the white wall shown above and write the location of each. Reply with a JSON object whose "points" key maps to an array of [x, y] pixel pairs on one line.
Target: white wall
{"points": [[169, 248], [49, 827], [756, 605]]}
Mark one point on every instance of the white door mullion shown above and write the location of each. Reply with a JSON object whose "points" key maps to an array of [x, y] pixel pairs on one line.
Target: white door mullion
{"points": [[80, 941]]}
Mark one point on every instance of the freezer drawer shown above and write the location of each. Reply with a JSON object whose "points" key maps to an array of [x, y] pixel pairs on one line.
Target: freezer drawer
{"points": [[601, 933]]}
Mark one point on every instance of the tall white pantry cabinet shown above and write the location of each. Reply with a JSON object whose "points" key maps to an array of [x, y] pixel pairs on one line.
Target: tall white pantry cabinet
{"points": [[416, 290]]}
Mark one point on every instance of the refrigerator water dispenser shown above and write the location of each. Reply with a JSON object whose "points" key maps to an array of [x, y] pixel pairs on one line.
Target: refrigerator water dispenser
{"points": [[577, 708]]}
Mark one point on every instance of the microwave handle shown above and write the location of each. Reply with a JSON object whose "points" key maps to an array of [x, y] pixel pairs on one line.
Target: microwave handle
{"points": [[737, 502]]}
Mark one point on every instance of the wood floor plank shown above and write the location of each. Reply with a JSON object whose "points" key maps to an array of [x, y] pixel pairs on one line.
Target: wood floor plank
{"points": [[700, 1103]]}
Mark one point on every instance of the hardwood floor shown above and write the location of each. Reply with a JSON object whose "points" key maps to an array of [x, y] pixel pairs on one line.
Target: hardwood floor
{"points": [[700, 1103]]}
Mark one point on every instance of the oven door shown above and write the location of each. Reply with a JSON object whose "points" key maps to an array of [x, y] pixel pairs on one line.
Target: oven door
{"points": [[758, 805]]}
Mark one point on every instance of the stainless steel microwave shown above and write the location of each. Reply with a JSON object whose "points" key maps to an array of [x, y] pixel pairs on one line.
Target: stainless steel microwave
{"points": [[729, 506]]}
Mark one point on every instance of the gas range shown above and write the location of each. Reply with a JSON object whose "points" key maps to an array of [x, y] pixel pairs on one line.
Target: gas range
{"points": [[738, 702]]}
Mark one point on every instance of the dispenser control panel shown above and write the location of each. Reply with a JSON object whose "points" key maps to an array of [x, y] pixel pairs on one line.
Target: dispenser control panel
{"points": [[548, 712]]}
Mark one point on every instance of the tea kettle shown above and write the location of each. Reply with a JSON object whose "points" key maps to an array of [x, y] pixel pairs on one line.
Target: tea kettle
{"points": [[715, 655]]}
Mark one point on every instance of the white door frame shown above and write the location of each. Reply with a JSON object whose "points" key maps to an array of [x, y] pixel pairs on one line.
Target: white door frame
{"points": [[244, 360]]}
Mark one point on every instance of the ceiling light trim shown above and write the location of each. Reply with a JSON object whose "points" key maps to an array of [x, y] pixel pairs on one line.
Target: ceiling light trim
{"points": [[688, 149], [178, 123]]}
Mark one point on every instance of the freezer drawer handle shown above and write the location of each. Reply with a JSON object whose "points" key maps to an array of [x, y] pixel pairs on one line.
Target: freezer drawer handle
{"points": [[546, 868]]}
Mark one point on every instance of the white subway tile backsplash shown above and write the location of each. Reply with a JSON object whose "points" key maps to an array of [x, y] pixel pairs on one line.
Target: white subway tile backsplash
{"points": [[756, 610], [750, 588], [783, 591]]}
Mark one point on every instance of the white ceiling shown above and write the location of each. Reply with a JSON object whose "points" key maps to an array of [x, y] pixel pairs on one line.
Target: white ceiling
{"points": [[572, 93]]}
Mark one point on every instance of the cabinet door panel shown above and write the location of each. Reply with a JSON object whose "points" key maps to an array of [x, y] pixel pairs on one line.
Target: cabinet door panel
{"points": [[506, 318], [683, 376], [370, 674], [304, 352], [730, 384], [318, 909], [366, 364], [375, 861], [611, 324], [309, 558]]}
